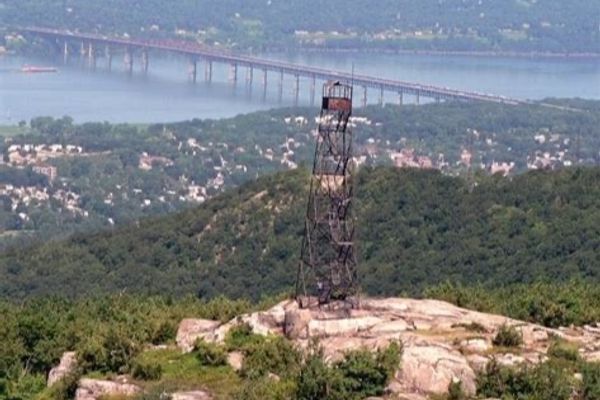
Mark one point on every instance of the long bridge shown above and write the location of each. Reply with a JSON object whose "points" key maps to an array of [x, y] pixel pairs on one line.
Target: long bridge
{"points": [[94, 45]]}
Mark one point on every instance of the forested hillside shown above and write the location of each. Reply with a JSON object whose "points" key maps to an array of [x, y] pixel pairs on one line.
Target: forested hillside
{"points": [[464, 25], [100, 176], [415, 228]]}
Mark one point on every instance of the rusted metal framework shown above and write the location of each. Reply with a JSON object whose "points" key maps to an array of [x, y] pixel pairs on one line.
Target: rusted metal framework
{"points": [[327, 268]]}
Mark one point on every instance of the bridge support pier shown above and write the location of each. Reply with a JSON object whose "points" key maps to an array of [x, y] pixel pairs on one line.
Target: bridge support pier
{"points": [[193, 70], [418, 98], [233, 73], [313, 85], [264, 80], [438, 99], [65, 52], [91, 55], [381, 96], [249, 76], [400, 98], [128, 60], [281, 86], [145, 61], [297, 90], [82, 50], [365, 98], [108, 54], [208, 68]]}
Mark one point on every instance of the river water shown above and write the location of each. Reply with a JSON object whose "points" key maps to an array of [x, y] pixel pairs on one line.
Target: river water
{"points": [[166, 94]]}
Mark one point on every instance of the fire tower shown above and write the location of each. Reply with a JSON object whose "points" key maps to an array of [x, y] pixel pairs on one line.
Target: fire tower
{"points": [[327, 268]]}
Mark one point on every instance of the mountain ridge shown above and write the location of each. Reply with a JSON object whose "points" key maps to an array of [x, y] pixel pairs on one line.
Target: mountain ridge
{"points": [[415, 228]]}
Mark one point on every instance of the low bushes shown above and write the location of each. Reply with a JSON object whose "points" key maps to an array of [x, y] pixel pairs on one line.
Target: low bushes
{"points": [[508, 336], [210, 354]]}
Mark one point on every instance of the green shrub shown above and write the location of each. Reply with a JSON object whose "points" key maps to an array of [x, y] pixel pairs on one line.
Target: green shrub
{"points": [[240, 337], [363, 375], [66, 387], [112, 353], [455, 391], [210, 354], [266, 388], [22, 386], [590, 386], [366, 373], [389, 358], [544, 381], [472, 327], [91, 355], [146, 371], [120, 351], [508, 336], [318, 381], [274, 354], [360, 374], [164, 333], [564, 351]]}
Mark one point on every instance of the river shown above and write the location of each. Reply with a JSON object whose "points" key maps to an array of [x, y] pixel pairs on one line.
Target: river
{"points": [[165, 93]]}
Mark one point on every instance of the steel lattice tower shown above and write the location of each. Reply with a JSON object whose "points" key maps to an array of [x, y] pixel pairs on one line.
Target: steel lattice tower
{"points": [[327, 268]]}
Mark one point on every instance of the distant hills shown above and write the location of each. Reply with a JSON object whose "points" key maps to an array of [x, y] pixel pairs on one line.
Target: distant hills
{"points": [[61, 178], [415, 228], [538, 26]]}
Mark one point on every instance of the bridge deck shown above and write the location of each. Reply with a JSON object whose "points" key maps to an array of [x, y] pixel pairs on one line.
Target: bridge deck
{"points": [[208, 53]]}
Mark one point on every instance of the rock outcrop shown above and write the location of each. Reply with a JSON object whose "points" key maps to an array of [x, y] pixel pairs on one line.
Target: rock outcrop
{"points": [[67, 364], [191, 395], [441, 342], [191, 330], [93, 389]]}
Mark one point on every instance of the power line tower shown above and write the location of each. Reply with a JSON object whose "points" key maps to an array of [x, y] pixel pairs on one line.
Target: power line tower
{"points": [[327, 269]]}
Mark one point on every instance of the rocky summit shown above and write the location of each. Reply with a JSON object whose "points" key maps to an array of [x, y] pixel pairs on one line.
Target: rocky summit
{"points": [[442, 343]]}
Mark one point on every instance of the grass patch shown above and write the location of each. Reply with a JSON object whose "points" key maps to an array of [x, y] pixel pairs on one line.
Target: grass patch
{"points": [[184, 372]]}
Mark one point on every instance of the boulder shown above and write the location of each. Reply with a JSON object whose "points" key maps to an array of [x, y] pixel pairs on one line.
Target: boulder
{"points": [[235, 359], [296, 323], [509, 359], [477, 345], [93, 389], [388, 327], [477, 362], [338, 327], [67, 364], [430, 367], [191, 330], [270, 322], [191, 395], [532, 335]]}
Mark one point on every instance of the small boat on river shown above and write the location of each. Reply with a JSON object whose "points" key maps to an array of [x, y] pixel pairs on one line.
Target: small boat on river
{"points": [[30, 69]]}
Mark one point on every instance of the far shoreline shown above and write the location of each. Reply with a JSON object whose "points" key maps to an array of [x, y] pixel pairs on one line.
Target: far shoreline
{"points": [[483, 53]]}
